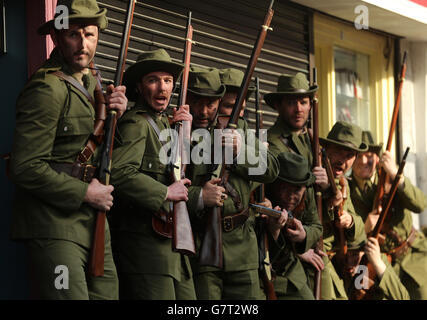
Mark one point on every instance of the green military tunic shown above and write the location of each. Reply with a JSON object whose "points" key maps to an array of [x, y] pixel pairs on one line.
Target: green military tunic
{"points": [[288, 268], [53, 123], [389, 287], [412, 266], [332, 285], [240, 251], [282, 139], [140, 180]]}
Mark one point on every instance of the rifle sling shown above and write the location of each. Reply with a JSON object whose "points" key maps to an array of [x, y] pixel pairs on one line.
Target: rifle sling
{"points": [[155, 127], [92, 143], [71, 80]]}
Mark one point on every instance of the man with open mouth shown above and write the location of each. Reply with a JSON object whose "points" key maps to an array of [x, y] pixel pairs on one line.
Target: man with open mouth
{"points": [[148, 268]]}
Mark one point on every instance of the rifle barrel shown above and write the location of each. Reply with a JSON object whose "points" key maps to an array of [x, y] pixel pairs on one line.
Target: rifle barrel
{"points": [[121, 62], [393, 189], [96, 261]]}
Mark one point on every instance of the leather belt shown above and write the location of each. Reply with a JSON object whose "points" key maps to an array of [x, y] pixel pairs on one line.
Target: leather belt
{"points": [[404, 246], [229, 223], [83, 172]]}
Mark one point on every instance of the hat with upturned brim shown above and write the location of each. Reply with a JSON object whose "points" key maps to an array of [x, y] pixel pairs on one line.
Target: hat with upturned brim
{"points": [[368, 139], [147, 62], [205, 82], [83, 12], [296, 85], [232, 79], [346, 135], [294, 169]]}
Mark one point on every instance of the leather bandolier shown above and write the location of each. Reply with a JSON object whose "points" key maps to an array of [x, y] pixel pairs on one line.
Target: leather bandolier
{"points": [[80, 169]]}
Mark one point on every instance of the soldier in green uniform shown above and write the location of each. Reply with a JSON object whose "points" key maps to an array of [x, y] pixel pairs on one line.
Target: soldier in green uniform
{"points": [[387, 285], [239, 277], [146, 264], [232, 79], [290, 134], [407, 246], [342, 144], [56, 199], [293, 192]]}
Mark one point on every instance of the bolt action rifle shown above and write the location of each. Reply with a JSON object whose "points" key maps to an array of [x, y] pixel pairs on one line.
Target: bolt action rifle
{"points": [[211, 249], [96, 263], [317, 162], [259, 195], [182, 235], [366, 293], [338, 210], [381, 172]]}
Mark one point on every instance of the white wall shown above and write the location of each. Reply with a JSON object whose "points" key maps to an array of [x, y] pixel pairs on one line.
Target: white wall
{"points": [[414, 118]]}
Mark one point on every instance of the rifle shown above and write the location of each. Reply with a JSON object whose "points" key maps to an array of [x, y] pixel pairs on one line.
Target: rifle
{"points": [[270, 212], [265, 266], [211, 249], [260, 191], [317, 162], [182, 235], [96, 263], [381, 172], [338, 210], [359, 294]]}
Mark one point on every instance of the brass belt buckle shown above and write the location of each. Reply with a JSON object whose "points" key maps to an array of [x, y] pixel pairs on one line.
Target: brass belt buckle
{"points": [[85, 172], [228, 223]]}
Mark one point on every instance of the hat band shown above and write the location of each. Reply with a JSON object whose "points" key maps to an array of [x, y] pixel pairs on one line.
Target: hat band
{"points": [[295, 90], [205, 91], [349, 144]]}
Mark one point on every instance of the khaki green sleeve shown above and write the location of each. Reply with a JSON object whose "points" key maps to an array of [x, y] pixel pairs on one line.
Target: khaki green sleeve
{"points": [[356, 233], [411, 197], [129, 182], [311, 222], [193, 199], [38, 110], [390, 284], [265, 170]]}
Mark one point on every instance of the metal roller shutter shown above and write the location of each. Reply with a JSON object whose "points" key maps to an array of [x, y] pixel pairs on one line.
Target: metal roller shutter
{"points": [[224, 34]]}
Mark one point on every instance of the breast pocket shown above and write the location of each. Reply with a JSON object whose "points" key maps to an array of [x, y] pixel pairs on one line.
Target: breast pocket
{"points": [[75, 126], [152, 166], [72, 134]]}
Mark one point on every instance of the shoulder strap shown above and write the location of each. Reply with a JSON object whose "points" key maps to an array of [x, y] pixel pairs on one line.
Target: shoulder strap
{"points": [[154, 125], [75, 84], [286, 142]]}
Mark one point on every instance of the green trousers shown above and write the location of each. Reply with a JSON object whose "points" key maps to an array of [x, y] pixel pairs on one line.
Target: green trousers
{"points": [[220, 285], [155, 287], [332, 285], [58, 270]]}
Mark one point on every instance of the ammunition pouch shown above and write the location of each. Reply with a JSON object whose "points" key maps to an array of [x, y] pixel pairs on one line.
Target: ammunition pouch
{"points": [[403, 247], [229, 223], [162, 223]]}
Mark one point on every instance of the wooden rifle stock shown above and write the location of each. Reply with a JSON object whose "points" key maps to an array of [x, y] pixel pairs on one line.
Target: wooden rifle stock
{"points": [[317, 162], [96, 262], [265, 267], [260, 191], [211, 248], [360, 294], [381, 172], [182, 236]]}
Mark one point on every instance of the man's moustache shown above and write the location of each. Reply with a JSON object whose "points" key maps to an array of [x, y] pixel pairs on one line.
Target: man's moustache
{"points": [[81, 52]]}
